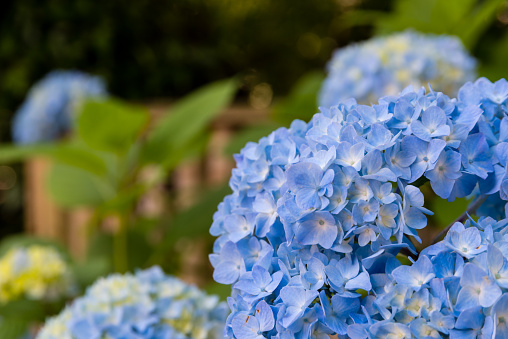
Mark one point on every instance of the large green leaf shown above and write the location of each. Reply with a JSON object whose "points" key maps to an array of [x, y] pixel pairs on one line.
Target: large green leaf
{"points": [[301, 103], [111, 125], [13, 153], [193, 148], [472, 26], [187, 119], [70, 187], [67, 153]]}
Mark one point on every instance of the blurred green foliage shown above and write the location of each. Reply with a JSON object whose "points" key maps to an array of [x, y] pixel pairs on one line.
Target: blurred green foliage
{"points": [[101, 166]]}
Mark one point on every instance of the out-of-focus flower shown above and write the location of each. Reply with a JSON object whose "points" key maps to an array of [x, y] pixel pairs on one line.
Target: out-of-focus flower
{"points": [[147, 304], [386, 65], [51, 104], [35, 272]]}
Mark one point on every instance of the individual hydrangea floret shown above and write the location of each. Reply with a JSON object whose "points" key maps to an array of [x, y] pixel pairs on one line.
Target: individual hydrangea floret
{"points": [[147, 304], [49, 110], [386, 65], [34, 272], [320, 210]]}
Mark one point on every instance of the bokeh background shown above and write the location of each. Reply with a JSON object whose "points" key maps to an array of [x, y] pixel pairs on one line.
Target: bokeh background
{"points": [[152, 55]]}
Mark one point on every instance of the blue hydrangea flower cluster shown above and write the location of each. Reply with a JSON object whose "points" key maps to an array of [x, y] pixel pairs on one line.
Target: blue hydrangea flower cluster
{"points": [[49, 109], [308, 239], [456, 289], [386, 65], [145, 305]]}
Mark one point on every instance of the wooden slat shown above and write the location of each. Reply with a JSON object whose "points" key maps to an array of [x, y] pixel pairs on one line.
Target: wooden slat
{"points": [[76, 226], [43, 217], [218, 166]]}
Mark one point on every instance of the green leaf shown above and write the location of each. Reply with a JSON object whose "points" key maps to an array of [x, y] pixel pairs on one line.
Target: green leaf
{"points": [[301, 103], [13, 328], [187, 119], [471, 28], [15, 153], [79, 157], [253, 133], [70, 187], [66, 153], [111, 125], [193, 148], [196, 220]]}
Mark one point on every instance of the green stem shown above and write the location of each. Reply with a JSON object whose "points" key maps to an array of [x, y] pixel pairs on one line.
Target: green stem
{"points": [[120, 252]]}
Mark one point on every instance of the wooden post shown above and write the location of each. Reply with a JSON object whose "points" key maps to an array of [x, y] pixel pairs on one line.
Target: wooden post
{"points": [[43, 217], [77, 233], [47, 220]]}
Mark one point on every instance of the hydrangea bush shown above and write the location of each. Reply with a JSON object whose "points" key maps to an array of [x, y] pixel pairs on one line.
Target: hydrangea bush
{"points": [[309, 237], [386, 65], [34, 272], [50, 106], [147, 304]]}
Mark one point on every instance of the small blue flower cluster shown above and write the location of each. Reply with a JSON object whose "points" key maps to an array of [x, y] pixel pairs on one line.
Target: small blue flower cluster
{"points": [[147, 305], [49, 109], [386, 65], [308, 238]]}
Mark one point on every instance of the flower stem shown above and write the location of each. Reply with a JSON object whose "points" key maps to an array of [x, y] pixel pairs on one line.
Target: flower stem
{"points": [[120, 247], [470, 210]]}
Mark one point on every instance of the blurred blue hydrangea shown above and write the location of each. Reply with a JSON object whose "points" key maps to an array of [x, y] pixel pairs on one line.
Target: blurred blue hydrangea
{"points": [[386, 65], [308, 239], [147, 305], [49, 109]]}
